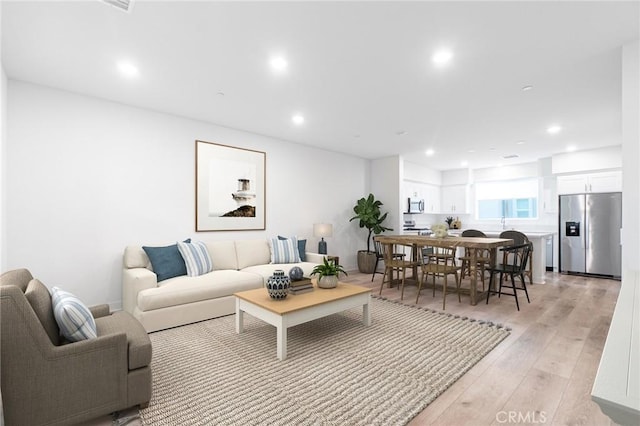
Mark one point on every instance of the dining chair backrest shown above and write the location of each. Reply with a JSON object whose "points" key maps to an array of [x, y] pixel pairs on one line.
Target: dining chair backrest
{"points": [[521, 252], [517, 237], [377, 247], [388, 250], [473, 233]]}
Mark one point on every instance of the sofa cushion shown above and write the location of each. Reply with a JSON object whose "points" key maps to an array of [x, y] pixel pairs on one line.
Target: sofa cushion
{"points": [[265, 271], [166, 261], [252, 252], [196, 258], [302, 247], [223, 254], [135, 257], [74, 319], [40, 300], [138, 340], [284, 251], [183, 290]]}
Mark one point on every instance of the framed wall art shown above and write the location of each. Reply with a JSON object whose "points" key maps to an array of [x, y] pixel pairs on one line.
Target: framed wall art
{"points": [[230, 188]]}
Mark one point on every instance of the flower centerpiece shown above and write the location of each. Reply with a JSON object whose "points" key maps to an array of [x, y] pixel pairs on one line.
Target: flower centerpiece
{"points": [[328, 272], [440, 230]]}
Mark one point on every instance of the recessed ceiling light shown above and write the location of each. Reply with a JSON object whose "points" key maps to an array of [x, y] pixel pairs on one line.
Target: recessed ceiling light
{"points": [[554, 129], [279, 63], [520, 142], [297, 119], [571, 148], [442, 57], [527, 88], [472, 150], [429, 152], [464, 163], [127, 69]]}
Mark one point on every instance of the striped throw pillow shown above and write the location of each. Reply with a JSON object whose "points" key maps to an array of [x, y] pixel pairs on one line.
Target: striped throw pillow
{"points": [[74, 319], [284, 251], [196, 257]]}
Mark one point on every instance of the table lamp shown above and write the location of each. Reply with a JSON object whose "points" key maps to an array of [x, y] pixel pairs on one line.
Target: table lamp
{"points": [[322, 230]]}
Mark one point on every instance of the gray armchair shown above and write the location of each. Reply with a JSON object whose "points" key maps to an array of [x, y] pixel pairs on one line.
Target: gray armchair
{"points": [[47, 381]]}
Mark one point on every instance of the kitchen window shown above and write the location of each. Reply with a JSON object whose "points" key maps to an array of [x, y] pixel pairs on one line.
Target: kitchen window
{"points": [[515, 199]]}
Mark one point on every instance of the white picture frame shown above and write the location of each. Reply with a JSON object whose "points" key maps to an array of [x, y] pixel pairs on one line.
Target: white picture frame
{"points": [[230, 188]]}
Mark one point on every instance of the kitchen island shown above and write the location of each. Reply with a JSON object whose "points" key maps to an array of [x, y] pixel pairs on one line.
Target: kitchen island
{"points": [[539, 240]]}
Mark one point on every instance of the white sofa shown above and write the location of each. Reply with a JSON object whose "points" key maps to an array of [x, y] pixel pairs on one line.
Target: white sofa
{"points": [[237, 266]]}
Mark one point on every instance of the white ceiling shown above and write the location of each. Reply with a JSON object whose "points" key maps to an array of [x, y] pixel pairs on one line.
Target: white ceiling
{"points": [[360, 72]]}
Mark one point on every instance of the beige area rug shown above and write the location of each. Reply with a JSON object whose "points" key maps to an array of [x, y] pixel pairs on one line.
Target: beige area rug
{"points": [[338, 372]]}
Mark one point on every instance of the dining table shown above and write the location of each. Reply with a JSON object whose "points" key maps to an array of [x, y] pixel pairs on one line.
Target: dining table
{"points": [[475, 244]]}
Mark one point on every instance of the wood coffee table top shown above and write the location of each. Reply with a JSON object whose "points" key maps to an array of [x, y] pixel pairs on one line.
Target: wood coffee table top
{"points": [[296, 302]]}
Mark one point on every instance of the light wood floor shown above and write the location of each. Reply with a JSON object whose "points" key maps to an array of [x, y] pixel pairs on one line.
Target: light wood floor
{"points": [[541, 374]]}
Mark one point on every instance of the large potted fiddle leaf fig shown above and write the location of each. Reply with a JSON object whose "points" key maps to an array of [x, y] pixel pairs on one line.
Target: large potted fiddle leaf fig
{"points": [[369, 216]]}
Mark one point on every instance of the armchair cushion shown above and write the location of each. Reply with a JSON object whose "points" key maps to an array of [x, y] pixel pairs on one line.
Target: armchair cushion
{"points": [[73, 317], [40, 300]]}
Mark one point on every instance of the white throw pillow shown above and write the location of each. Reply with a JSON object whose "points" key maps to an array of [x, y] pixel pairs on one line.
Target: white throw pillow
{"points": [[284, 251], [196, 258], [74, 319]]}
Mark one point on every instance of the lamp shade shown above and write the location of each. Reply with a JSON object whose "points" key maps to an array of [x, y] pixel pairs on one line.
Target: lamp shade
{"points": [[322, 230]]}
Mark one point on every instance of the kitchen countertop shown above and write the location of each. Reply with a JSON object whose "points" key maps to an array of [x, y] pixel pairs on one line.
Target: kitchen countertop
{"points": [[492, 234]]}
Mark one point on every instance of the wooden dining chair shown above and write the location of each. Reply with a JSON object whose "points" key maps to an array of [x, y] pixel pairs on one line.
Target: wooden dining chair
{"points": [[515, 265], [518, 239], [393, 263], [379, 256], [441, 262], [483, 257]]}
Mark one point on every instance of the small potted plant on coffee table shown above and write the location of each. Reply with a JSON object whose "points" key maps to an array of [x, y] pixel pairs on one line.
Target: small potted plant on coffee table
{"points": [[328, 272]]}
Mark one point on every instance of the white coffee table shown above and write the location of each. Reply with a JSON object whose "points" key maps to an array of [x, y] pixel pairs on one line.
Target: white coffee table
{"points": [[300, 308]]}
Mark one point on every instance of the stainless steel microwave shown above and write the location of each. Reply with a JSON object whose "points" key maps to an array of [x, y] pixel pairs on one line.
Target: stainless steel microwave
{"points": [[416, 205]]}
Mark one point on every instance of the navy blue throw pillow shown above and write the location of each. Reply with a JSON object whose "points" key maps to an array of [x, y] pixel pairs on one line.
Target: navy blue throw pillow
{"points": [[167, 262], [302, 248]]}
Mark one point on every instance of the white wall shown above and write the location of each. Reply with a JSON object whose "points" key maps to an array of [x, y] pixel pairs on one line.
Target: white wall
{"points": [[517, 171], [631, 156], [3, 145], [386, 181], [419, 173], [87, 177], [590, 160]]}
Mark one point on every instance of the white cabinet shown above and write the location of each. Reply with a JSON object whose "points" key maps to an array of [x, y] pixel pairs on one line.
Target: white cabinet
{"points": [[455, 199], [592, 182], [429, 193], [605, 182]]}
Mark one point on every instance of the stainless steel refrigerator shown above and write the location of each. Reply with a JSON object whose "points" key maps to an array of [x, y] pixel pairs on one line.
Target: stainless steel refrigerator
{"points": [[590, 226]]}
